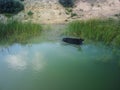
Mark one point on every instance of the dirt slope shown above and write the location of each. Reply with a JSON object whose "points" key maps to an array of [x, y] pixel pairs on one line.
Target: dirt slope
{"points": [[50, 11]]}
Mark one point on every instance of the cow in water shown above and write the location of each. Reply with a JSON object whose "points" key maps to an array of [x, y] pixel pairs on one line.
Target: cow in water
{"points": [[73, 41]]}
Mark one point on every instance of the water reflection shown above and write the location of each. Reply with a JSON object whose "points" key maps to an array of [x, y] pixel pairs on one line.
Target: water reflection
{"points": [[50, 65], [17, 61], [78, 47], [38, 61], [35, 56], [23, 57], [98, 53]]}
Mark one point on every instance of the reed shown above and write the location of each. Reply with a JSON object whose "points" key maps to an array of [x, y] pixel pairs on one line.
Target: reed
{"points": [[106, 31], [14, 31]]}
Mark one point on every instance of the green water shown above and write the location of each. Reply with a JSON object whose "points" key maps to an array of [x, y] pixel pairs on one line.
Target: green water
{"points": [[55, 65]]}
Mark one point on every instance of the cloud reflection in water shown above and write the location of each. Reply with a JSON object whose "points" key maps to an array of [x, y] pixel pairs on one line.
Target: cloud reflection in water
{"points": [[22, 60], [38, 62]]}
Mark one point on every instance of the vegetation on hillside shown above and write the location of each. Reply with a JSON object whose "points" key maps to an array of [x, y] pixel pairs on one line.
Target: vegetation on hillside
{"points": [[67, 3], [10, 6]]}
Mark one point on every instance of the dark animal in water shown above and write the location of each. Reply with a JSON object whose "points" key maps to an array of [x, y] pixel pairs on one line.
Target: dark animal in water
{"points": [[73, 41]]}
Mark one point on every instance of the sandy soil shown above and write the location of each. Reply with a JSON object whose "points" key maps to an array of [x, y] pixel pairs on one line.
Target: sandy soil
{"points": [[50, 11]]}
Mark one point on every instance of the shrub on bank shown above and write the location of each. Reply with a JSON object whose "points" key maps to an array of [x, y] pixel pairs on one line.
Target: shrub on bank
{"points": [[11, 6], [67, 3]]}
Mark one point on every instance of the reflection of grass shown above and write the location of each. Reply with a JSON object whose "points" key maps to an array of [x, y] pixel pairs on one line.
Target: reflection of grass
{"points": [[14, 31], [107, 31]]}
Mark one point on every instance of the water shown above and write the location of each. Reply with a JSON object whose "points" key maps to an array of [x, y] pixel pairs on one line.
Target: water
{"points": [[55, 65]]}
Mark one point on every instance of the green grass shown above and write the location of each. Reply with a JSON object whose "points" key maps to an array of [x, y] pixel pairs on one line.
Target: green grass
{"points": [[106, 31], [14, 31], [73, 14]]}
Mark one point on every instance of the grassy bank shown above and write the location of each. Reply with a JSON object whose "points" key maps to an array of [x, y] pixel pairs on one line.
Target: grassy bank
{"points": [[106, 31], [14, 31]]}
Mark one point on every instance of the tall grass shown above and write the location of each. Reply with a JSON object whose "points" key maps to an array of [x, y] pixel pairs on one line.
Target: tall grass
{"points": [[14, 31], [106, 31]]}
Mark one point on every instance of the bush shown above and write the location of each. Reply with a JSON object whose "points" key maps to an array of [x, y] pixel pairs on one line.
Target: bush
{"points": [[10, 6], [67, 3], [73, 14], [30, 13]]}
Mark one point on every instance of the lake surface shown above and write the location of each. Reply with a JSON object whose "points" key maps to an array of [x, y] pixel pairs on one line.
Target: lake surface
{"points": [[55, 65]]}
